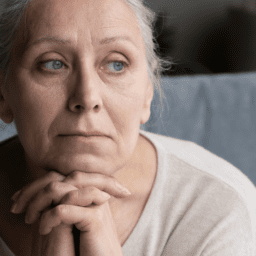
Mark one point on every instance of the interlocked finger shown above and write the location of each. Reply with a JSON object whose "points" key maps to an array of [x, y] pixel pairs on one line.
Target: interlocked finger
{"points": [[67, 215], [85, 197], [103, 182], [51, 195], [25, 195]]}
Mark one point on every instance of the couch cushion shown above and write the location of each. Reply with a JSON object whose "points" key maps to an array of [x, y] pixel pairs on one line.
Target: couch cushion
{"points": [[217, 112]]}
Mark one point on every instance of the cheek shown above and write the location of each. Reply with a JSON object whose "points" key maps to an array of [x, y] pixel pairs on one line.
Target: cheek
{"points": [[35, 108], [34, 100], [125, 109], [125, 116]]}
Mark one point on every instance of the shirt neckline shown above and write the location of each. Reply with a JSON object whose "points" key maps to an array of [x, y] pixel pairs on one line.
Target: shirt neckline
{"points": [[147, 212]]}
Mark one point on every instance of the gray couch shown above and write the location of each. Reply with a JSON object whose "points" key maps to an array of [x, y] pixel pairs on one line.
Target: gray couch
{"points": [[217, 112]]}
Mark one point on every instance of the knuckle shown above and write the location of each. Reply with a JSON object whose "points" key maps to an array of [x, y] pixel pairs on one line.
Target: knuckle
{"points": [[76, 175], [52, 186], [61, 210], [90, 190], [71, 197], [55, 176], [52, 174]]}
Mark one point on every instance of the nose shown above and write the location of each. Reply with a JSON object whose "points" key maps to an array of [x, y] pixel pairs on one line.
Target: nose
{"points": [[86, 93]]}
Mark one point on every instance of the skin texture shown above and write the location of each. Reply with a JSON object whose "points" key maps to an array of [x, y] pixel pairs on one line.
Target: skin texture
{"points": [[82, 95]]}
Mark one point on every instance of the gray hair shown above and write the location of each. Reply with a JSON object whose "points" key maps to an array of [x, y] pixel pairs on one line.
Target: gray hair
{"points": [[13, 12]]}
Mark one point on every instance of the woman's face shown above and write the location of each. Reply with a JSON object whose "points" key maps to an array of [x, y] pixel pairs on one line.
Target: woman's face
{"points": [[81, 69]]}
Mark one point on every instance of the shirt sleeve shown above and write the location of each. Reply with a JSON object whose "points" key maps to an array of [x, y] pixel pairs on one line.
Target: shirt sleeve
{"points": [[232, 236], [213, 232]]}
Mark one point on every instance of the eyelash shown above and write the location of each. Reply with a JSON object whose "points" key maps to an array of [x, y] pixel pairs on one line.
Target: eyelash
{"points": [[113, 73]]}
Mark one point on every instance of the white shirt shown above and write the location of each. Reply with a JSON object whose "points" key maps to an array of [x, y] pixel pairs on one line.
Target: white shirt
{"points": [[200, 205]]}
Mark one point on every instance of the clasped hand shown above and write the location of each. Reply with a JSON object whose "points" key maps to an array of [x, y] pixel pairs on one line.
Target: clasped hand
{"points": [[57, 203]]}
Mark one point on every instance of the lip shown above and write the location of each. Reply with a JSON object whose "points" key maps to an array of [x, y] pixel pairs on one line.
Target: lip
{"points": [[85, 134]]}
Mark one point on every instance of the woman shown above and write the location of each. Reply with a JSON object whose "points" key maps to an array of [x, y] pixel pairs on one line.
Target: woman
{"points": [[78, 84]]}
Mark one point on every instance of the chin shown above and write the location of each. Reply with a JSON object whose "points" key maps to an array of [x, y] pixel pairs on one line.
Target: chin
{"points": [[87, 164]]}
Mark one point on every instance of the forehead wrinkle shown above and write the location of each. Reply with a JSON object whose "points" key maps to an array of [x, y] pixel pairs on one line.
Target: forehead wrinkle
{"points": [[127, 20], [126, 17]]}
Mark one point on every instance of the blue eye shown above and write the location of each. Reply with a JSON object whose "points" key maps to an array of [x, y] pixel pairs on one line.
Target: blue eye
{"points": [[57, 64], [116, 65]]}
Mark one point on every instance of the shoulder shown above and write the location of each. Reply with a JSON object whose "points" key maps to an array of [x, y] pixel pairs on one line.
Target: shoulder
{"points": [[12, 178], [212, 195], [12, 164], [193, 164], [9, 142], [197, 157], [9, 146], [11, 153]]}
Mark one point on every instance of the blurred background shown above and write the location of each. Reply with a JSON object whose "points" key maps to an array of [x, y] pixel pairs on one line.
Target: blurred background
{"points": [[207, 36]]}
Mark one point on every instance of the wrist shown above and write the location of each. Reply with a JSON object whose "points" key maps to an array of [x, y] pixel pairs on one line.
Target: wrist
{"points": [[100, 245], [59, 242]]}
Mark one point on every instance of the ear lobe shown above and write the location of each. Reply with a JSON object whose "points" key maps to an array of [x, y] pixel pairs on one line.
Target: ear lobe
{"points": [[5, 111], [147, 104], [150, 94]]}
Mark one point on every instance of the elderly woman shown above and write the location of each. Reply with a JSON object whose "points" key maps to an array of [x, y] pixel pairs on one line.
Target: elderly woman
{"points": [[77, 78]]}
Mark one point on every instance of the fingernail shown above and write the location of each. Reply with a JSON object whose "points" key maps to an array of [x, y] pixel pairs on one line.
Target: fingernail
{"points": [[15, 196], [14, 208], [123, 189], [127, 192]]}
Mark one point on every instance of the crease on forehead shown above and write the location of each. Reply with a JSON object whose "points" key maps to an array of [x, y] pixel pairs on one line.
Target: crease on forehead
{"points": [[33, 11], [104, 8]]}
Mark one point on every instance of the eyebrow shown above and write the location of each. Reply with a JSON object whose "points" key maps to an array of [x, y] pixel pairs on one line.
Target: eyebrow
{"points": [[108, 40], [58, 40]]}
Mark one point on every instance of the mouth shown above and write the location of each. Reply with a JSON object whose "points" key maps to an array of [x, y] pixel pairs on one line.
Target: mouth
{"points": [[85, 134], [94, 135], [84, 137]]}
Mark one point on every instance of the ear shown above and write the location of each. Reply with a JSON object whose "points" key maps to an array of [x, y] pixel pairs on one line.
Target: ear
{"points": [[6, 113], [147, 103]]}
